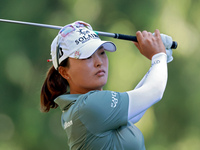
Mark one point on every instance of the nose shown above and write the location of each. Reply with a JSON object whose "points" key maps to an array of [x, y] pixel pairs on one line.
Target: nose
{"points": [[97, 60]]}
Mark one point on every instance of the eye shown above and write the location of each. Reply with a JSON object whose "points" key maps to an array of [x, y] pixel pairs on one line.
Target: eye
{"points": [[103, 52]]}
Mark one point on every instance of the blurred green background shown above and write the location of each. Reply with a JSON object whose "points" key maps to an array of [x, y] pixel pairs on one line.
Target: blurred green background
{"points": [[173, 123]]}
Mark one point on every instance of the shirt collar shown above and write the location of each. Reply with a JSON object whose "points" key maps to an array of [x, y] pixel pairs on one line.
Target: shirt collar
{"points": [[66, 100]]}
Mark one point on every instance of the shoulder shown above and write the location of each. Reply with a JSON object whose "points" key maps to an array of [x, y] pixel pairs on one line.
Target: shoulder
{"points": [[95, 109], [103, 95], [95, 100]]}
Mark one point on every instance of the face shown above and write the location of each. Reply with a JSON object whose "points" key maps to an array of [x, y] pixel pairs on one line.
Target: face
{"points": [[88, 74]]}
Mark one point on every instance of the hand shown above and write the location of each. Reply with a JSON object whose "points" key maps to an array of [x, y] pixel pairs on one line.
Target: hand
{"points": [[149, 44]]}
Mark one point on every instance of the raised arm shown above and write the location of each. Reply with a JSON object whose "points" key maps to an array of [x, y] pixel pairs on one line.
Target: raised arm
{"points": [[151, 88]]}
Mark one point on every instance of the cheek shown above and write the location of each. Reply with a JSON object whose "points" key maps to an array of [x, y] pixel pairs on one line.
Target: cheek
{"points": [[106, 63], [79, 73]]}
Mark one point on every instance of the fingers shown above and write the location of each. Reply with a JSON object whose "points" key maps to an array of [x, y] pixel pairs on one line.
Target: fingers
{"points": [[143, 37], [143, 34], [137, 45], [149, 44], [146, 34], [157, 33], [139, 36]]}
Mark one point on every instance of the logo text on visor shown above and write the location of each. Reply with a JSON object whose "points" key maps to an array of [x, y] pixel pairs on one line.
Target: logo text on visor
{"points": [[86, 36]]}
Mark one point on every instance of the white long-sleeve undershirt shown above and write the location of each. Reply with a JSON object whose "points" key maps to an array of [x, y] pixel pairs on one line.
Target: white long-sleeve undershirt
{"points": [[150, 89]]}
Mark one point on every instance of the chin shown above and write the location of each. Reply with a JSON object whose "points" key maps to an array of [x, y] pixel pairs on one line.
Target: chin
{"points": [[100, 86], [97, 84], [103, 82]]}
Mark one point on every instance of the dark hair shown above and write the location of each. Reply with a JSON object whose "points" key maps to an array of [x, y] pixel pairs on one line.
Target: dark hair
{"points": [[53, 86]]}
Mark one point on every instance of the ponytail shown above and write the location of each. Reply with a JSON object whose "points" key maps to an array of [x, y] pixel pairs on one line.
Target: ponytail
{"points": [[53, 86]]}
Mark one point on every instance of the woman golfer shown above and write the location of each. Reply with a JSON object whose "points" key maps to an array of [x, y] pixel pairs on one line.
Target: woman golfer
{"points": [[95, 119]]}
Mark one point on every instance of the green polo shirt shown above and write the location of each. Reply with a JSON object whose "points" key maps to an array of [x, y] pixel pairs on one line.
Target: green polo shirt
{"points": [[98, 120]]}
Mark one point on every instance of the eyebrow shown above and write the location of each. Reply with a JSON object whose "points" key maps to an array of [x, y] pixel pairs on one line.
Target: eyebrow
{"points": [[100, 47]]}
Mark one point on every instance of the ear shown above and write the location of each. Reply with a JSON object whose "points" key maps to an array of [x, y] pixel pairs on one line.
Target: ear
{"points": [[63, 72]]}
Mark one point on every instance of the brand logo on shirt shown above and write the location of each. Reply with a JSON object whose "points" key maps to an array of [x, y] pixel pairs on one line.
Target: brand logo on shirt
{"points": [[114, 99], [68, 124]]}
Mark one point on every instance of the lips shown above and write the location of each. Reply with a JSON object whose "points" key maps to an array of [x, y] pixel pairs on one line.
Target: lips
{"points": [[100, 73]]}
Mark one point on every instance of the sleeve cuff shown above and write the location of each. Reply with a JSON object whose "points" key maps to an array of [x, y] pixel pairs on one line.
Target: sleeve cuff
{"points": [[159, 56]]}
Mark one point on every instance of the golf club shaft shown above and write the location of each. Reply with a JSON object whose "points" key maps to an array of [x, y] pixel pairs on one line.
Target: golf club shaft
{"points": [[31, 23], [113, 35]]}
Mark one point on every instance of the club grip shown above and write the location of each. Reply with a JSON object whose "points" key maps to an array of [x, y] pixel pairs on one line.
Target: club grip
{"points": [[134, 38]]}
